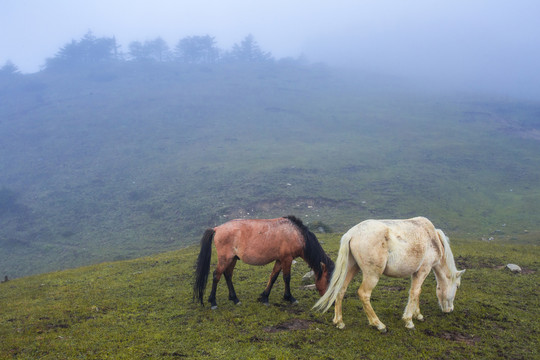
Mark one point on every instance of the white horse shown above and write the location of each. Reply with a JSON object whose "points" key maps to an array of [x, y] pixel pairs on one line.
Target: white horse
{"points": [[395, 248]]}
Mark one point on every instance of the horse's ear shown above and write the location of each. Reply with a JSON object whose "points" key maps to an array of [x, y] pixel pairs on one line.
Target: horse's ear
{"points": [[459, 273]]}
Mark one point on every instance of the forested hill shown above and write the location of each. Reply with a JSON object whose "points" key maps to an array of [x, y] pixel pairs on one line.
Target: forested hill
{"points": [[121, 159]]}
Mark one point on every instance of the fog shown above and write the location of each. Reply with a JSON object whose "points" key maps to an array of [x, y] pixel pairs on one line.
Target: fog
{"points": [[486, 45]]}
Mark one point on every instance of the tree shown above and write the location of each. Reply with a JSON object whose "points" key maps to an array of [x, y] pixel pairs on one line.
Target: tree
{"points": [[9, 69], [136, 51], [88, 50], [150, 50], [249, 51], [197, 50], [8, 73], [158, 49]]}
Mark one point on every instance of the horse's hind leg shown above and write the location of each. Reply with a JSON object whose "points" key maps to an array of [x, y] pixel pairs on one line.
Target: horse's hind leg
{"points": [[223, 264], [352, 270], [212, 297], [273, 277], [412, 310], [228, 277], [369, 281]]}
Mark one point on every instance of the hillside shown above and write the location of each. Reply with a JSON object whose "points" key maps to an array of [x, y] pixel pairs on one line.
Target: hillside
{"points": [[143, 309], [114, 163]]}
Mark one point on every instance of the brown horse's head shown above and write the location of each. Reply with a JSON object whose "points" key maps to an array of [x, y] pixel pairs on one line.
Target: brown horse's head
{"points": [[314, 255], [322, 280]]}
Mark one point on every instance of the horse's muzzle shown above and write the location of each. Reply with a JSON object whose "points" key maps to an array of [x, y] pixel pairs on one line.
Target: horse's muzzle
{"points": [[446, 307]]}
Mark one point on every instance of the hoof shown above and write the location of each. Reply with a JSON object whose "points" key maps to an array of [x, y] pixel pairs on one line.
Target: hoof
{"points": [[295, 302], [290, 299], [235, 301], [420, 317], [238, 303], [213, 307], [409, 324], [266, 303], [340, 326], [382, 328]]}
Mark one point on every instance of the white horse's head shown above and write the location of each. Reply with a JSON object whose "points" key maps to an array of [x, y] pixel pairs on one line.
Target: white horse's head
{"points": [[446, 291], [448, 277]]}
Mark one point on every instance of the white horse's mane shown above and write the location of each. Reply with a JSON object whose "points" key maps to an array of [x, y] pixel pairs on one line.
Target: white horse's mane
{"points": [[448, 256]]}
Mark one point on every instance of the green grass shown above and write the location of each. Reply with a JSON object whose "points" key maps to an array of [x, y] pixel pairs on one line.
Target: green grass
{"points": [[143, 309], [97, 168]]}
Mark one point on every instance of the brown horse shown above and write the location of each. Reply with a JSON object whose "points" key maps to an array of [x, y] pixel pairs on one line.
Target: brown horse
{"points": [[259, 242]]}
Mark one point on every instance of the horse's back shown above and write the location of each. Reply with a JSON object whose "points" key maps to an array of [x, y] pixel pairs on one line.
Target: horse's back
{"points": [[368, 229], [256, 230], [258, 241], [398, 247], [398, 227]]}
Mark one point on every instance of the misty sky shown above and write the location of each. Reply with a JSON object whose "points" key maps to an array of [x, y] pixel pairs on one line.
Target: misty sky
{"points": [[472, 44]]}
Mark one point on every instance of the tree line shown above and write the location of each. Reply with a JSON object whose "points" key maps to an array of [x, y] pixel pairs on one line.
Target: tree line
{"points": [[190, 50]]}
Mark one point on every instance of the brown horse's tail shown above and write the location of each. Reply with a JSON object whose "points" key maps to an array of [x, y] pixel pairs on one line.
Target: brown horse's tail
{"points": [[203, 265]]}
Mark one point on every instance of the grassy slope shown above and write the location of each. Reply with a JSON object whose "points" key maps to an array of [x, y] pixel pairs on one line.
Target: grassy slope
{"points": [[142, 309], [123, 162]]}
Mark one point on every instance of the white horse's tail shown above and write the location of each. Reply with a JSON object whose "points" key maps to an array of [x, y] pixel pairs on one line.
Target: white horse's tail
{"points": [[338, 278]]}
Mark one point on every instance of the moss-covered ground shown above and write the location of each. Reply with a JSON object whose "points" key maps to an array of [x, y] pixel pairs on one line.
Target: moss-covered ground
{"points": [[143, 309]]}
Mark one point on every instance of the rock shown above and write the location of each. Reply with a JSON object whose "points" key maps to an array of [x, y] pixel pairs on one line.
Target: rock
{"points": [[308, 278], [513, 268]]}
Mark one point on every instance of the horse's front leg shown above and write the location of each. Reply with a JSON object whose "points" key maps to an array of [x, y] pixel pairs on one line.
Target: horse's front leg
{"points": [[273, 277], [412, 310], [287, 279]]}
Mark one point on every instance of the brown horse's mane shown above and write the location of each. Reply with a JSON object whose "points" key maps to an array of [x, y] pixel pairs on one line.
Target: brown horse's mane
{"points": [[313, 251]]}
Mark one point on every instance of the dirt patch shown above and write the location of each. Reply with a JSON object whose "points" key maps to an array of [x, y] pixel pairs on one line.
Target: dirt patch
{"points": [[464, 338], [477, 262], [467, 262], [293, 324], [455, 336], [533, 134], [524, 271], [527, 271], [282, 206], [504, 124]]}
